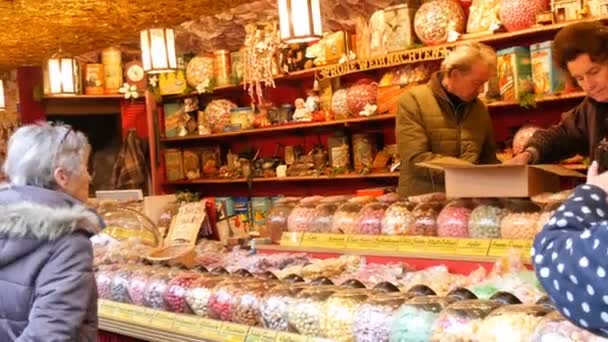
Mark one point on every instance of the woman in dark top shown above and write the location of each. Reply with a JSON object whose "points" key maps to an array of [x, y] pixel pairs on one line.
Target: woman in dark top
{"points": [[580, 50]]}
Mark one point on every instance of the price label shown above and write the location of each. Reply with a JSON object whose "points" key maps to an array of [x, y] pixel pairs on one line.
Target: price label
{"points": [[142, 316], [324, 240], [414, 244], [188, 325], [524, 246], [387, 243], [261, 335], [289, 337], [109, 309], [500, 247], [441, 245], [361, 241], [291, 239], [211, 329], [234, 332], [163, 320], [475, 247], [123, 312]]}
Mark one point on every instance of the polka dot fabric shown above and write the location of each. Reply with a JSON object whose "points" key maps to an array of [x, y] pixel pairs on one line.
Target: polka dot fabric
{"points": [[570, 257]]}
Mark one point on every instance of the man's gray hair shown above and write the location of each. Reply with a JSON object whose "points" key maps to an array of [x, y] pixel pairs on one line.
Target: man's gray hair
{"points": [[464, 55], [35, 151]]}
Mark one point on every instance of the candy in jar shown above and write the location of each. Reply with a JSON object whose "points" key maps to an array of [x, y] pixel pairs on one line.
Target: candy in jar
{"points": [[370, 218], [175, 295], [424, 220], [521, 221], [460, 320], [512, 323], [414, 320], [339, 314], [554, 327], [345, 218], [453, 221], [137, 286], [306, 311], [485, 220], [323, 217], [103, 278], [119, 288], [373, 320], [397, 219], [247, 302], [197, 296], [222, 298], [519, 226], [155, 289], [276, 221], [301, 216], [274, 307]]}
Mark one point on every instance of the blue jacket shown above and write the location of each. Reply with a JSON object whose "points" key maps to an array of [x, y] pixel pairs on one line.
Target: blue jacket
{"points": [[47, 284], [570, 257]]}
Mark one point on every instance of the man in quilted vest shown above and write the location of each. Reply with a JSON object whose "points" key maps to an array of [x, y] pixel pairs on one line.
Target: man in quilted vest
{"points": [[445, 118]]}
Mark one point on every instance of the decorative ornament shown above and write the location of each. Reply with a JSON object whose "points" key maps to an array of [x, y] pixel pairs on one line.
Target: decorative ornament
{"points": [[203, 87], [261, 44], [129, 91], [521, 14], [153, 81], [435, 20]]}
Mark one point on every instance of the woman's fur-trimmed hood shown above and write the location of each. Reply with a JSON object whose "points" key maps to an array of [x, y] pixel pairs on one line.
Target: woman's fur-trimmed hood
{"points": [[43, 222]]}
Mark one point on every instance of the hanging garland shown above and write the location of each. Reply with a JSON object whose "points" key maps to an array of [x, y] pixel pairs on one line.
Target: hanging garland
{"points": [[261, 45]]}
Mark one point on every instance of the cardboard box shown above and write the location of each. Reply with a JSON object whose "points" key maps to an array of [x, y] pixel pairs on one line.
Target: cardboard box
{"points": [[513, 68], [463, 179], [547, 78]]}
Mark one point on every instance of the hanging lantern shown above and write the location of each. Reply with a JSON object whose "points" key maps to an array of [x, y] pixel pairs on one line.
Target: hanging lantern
{"points": [[158, 50], [2, 100], [300, 20], [63, 76]]}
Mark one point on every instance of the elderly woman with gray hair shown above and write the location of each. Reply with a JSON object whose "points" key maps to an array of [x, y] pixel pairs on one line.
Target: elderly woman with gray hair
{"points": [[46, 273]]}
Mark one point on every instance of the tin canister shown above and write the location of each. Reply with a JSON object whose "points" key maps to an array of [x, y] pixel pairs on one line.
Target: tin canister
{"points": [[111, 58], [222, 67]]}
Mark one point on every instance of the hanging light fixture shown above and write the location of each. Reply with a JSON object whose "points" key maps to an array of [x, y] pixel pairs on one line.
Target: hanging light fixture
{"points": [[2, 100], [62, 76], [300, 20], [158, 50]]}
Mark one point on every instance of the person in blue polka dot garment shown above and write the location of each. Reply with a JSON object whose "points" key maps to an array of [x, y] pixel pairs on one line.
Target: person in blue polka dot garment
{"points": [[570, 255]]}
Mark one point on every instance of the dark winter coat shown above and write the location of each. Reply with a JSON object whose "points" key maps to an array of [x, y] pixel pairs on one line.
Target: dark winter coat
{"points": [[47, 284]]}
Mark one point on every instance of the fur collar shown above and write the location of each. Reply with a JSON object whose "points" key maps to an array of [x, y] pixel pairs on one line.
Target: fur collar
{"points": [[29, 219]]}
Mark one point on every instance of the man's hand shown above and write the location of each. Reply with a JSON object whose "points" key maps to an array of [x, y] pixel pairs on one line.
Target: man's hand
{"points": [[523, 158], [599, 180]]}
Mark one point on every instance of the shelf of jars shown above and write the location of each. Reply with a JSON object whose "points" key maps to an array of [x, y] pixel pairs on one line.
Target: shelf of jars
{"points": [[293, 126], [283, 128], [540, 100], [156, 325], [386, 175], [437, 52]]}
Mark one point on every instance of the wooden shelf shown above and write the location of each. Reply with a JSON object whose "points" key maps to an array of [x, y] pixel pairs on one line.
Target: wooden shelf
{"points": [[288, 127], [84, 97], [297, 75], [286, 179], [545, 99]]}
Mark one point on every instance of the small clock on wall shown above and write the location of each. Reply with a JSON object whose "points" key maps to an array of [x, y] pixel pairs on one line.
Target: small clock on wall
{"points": [[135, 75]]}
